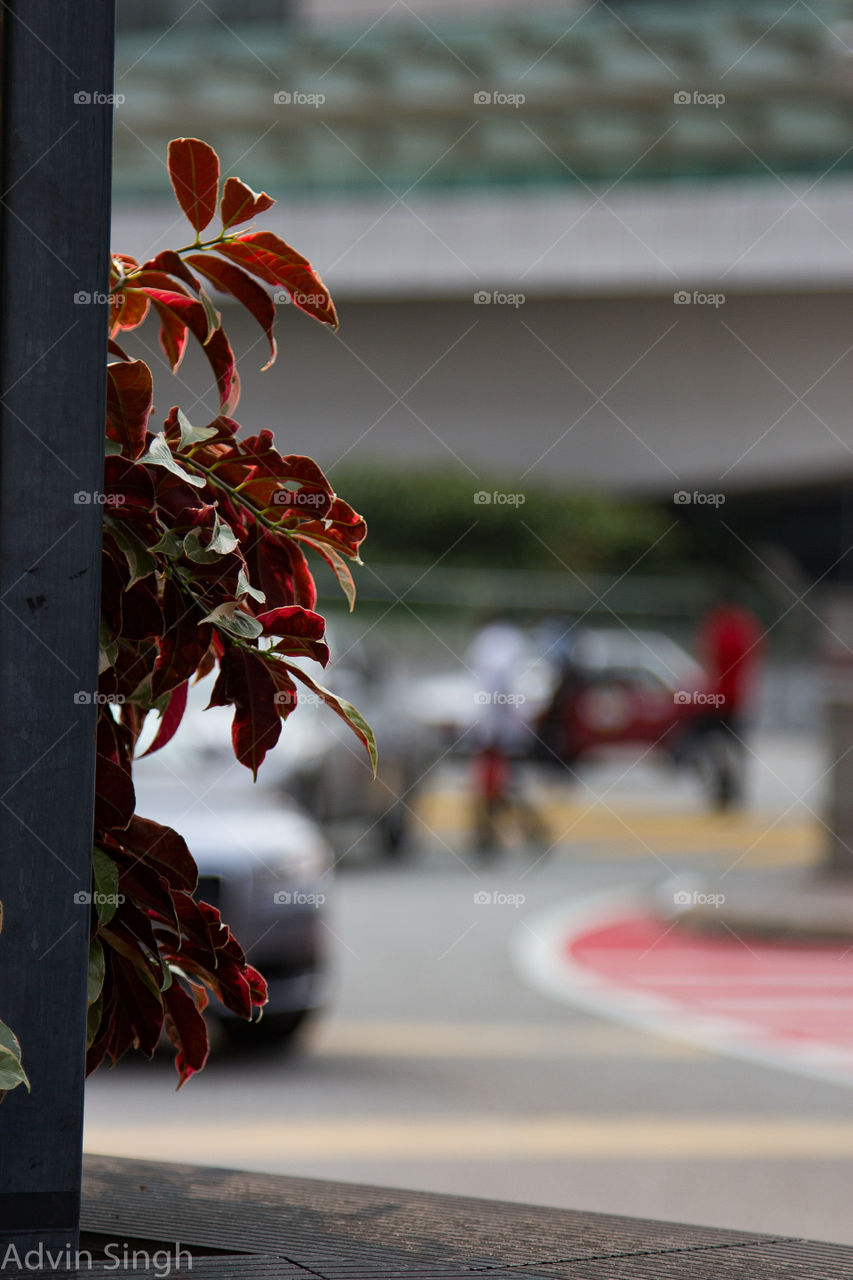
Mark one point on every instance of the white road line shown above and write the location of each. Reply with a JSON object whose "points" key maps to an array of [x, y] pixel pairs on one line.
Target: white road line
{"points": [[539, 955]]}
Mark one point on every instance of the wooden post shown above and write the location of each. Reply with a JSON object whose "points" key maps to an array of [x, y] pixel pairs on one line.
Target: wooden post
{"points": [[54, 222]]}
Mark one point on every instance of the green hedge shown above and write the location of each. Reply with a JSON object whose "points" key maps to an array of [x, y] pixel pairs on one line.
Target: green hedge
{"points": [[425, 515]]}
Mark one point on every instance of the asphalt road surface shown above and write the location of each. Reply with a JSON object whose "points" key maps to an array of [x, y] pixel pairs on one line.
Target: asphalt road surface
{"points": [[444, 1064]]}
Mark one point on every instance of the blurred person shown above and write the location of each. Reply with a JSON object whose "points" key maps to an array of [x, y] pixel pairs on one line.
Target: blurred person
{"points": [[496, 656], [561, 643], [728, 645]]}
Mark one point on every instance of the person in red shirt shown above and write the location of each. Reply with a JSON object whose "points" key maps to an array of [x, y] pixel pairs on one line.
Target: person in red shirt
{"points": [[729, 645]]}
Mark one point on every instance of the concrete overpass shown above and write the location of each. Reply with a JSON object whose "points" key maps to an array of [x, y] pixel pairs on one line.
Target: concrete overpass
{"points": [[655, 200], [585, 367]]}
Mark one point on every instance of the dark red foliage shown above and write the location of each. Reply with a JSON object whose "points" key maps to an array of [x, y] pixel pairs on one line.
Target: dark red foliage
{"points": [[203, 568]]}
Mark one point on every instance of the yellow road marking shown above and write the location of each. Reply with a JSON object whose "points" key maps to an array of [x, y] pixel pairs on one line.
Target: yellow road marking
{"points": [[474, 1138], [631, 831], [383, 1039]]}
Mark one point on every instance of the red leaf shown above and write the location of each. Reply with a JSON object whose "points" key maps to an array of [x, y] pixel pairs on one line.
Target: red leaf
{"points": [[142, 616], [245, 683], [240, 203], [172, 717], [281, 571], [186, 1029], [342, 529], [269, 258], [257, 986], [143, 1009], [272, 473], [183, 644], [114, 795], [127, 309], [130, 495], [160, 846], [230, 279], [302, 632], [287, 695], [222, 362], [210, 951], [130, 395], [159, 280], [194, 170], [337, 564], [178, 313], [173, 336], [173, 264]]}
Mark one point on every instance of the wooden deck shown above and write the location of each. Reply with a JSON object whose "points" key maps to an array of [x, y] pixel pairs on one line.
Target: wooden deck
{"points": [[251, 1225]]}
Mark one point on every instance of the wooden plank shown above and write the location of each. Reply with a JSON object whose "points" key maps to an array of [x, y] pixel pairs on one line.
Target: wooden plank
{"points": [[54, 222], [342, 1231]]}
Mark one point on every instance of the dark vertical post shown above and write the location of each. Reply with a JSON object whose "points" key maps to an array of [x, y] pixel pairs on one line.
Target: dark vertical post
{"points": [[837, 610], [54, 228]]}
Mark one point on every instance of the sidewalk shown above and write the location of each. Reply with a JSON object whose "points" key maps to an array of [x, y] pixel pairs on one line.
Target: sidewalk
{"points": [[788, 904]]}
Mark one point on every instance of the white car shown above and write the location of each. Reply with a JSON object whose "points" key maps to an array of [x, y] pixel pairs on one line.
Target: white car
{"points": [[262, 862]]}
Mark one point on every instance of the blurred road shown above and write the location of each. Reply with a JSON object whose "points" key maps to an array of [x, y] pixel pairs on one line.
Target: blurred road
{"points": [[442, 1067]]}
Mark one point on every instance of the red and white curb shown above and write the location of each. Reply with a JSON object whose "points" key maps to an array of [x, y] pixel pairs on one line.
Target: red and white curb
{"points": [[784, 1005]]}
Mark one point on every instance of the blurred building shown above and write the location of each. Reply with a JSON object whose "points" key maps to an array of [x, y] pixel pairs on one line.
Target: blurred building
{"points": [[610, 245]]}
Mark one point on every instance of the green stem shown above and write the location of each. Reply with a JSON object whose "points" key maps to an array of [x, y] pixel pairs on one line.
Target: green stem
{"points": [[214, 480]]}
